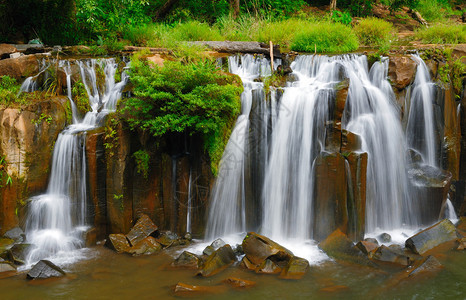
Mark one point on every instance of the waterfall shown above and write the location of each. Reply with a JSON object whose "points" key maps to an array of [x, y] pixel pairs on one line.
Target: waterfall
{"points": [[420, 131], [227, 205], [56, 219]]}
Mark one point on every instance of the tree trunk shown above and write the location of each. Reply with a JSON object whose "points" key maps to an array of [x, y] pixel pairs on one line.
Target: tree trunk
{"points": [[333, 4], [165, 9], [234, 4]]}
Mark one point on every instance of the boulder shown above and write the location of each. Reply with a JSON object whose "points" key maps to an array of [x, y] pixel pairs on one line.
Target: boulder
{"points": [[246, 263], [428, 265], [431, 237], [147, 246], [218, 261], [7, 267], [372, 240], [387, 255], [21, 67], [183, 289], [258, 248], [461, 243], [187, 260], [208, 250], [384, 238], [268, 267], [401, 71], [239, 283], [214, 246], [16, 234], [6, 50], [117, 242], [339, 246], [19, 253], [141, 230], [90, 237], [45, 269], [295, 269], [366, 247], [167, 239]]}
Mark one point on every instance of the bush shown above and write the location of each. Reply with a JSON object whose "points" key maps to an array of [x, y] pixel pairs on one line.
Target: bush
{"points": [[194, 31], [193, 98], [442, 34], [281, 32], [433, 10], [374, 32], [325, 37]]}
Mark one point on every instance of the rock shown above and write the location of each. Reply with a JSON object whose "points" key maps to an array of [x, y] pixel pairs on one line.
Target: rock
{"points": [[334, 289], [385, 254], [339, 246], [183, 289], [401, 71], [90, 237], [6, 50], [459, 51], [246, 263], [366, 247], [427, 265], [218, 243], [5, 244], [208, 250], [147, 246], [239, 283], [238, 250], [396, 248], [118, 242], [21, 67], [45, 269], [218, 261], [19, 253], [296, 268], [372, 240], [187, 260], [141, 230], [258, 248], [461, 243], [6, 267], [330, 194], [16, 234], [429, 238], [384, 238], [167, 239], [156, 60], [240, 47], [268, 267], [188, 236]]}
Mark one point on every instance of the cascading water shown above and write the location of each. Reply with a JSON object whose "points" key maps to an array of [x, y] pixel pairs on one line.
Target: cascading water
{"points": [[420, 132], [56, 219], [227, 208]]}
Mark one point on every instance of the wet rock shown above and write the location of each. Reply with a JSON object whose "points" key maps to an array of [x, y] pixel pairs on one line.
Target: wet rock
{"points": [[366, 247], [16, 234], [238, 250], [168, 239], [218, 243], [385, 254], [117, 242], [188, 236], [339, 246], [6, 267], [401, 71], [147, 246], [187, 260], [45, 269], [141, 230], [6, 50], [428, 265], [218, 261], [429, 238], [372, 240], [461, 243], [239, 283], [396, 248], [268, 267], [384, 238], [5, 244], [258, 248], [208, 250], [19, 253], [183, 289], [246, 263], [296, 268], [90, 237]]}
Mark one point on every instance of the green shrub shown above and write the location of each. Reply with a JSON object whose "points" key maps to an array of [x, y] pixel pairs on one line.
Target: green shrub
{"points": [[374, 32], [194, 31], [80, 97], [325, 37], [194, 98], [342, 17], [442, 34], [281, 32], [433, 10]]}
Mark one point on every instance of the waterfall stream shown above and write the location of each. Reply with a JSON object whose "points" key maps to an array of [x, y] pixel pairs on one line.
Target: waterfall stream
{"points": [[57, 219], [297, 136]]}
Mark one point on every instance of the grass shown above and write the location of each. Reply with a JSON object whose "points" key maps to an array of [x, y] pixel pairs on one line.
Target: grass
{"points": [[375, 32], [325, 37], [9, 93], [433, 10], [442, 34]]}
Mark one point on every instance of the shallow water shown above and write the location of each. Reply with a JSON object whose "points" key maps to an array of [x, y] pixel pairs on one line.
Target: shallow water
{"points": [[108, 275]]}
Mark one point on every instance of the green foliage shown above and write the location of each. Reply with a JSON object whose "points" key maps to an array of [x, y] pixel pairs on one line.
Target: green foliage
{"points": [[192, 97], [194, 31], [375, 32], [142, 162], [341, 17], [325, 37], [274, 8], [80, 97], [433, 10], [9, 93], [4, 176], [442, 34], [357, 8], [111, 134], [396, 5], [280, 32], [42, 118]]}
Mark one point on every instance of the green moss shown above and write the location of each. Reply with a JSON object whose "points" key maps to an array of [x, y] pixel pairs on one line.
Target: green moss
{"points": [[80, 97], [142, 158], [68, 112]]}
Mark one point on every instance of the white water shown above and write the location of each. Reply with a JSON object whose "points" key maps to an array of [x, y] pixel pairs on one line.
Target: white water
{"points": [[420, 131], [57, 219], [30, 84]]}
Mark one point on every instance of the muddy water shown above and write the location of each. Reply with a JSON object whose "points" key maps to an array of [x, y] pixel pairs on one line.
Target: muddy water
{"points": [[107, 275]]}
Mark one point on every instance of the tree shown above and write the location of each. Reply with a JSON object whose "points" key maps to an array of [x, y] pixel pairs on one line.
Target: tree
{"points": [[333, 4], [165, 9], [235, 7]]}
